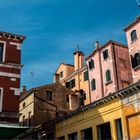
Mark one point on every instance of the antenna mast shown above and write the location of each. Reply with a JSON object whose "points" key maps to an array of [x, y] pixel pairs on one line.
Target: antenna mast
{"points": [[138, 2]]}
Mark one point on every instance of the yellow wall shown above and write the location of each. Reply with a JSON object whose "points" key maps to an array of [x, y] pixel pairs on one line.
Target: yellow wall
{"points": [[131, 117], [68, 74], [67, 70], [29, 107], [108, 112]]}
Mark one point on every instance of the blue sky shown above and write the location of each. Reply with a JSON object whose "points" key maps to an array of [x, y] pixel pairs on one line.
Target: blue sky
{"points": [[55, 27]]}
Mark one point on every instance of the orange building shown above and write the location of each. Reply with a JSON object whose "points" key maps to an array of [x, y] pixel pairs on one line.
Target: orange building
{"points": [[75, 77]]}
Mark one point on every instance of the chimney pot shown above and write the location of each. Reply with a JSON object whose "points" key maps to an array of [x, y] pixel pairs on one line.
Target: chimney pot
{"points": [[97, 44], [23, 88]]}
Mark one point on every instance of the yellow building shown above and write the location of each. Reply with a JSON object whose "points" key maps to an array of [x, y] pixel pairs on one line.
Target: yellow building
{"points": [[114, 117], [75, 77]]}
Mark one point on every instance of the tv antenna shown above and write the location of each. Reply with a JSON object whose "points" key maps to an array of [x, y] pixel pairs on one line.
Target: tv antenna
{"points": [[138, 2]]}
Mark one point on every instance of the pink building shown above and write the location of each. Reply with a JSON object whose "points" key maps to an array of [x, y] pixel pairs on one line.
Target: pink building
{"points": [[109, 69], [133, 39]]}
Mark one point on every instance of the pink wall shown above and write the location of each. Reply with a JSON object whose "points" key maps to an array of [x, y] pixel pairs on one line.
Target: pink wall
{"points": [[134, 47], [119, 65]]}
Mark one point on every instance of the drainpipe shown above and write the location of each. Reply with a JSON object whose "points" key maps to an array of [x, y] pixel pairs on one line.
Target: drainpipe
{"points": [[100, 65], [115, 67]]}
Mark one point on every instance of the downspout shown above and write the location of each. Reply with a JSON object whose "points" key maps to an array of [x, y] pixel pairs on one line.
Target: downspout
{"points": [[100, 65], [115, 66]]}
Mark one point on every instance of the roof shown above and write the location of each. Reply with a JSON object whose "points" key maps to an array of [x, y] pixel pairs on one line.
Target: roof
{"points": [[137, 20], [65, 65], [9, 131], [50, 87], [121, 94], [107, 43], [12, 36]]}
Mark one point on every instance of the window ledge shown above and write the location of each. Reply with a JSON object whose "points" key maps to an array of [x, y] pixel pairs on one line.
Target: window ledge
{"points": [[108, 82], [134, 40], [136, 68]]}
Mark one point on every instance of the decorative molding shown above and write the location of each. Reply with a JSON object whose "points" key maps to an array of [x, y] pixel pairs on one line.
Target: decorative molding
{"points": [[11, 75], [1, 98], [11, 65], [16, 44], [4, 50], [16, 91], [13, 79]]}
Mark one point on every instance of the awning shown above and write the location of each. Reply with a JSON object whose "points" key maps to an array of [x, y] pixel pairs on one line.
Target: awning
{"points": [[9, 131]]}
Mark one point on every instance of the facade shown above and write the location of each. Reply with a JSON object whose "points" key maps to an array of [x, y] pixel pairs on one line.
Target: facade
{"points": [[133, 35], [114, 117], [10, 69], [41, 104], [75, 77], [109, 69]]}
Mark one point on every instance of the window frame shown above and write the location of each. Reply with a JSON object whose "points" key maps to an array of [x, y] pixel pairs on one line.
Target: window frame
{"points": [[86, 76], [61, 74], [108, 75], [133, 35], [91, 64], [105, 54], [49, 95], [1, 98], [3, 51], [93, 84]]}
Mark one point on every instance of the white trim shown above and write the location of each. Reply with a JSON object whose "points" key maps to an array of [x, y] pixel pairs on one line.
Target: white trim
{"points": [[16, 90], [4, 50], [11, 65], [11, 75], [1, 99], [16, 44], [13, 79]]}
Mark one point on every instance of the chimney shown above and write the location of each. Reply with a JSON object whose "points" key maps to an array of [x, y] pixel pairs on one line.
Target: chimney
{"points": [[23, 88], [78, 59], [56, 78], [97, 44]]}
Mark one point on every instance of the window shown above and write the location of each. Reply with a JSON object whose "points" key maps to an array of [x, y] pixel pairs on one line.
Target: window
{"points": [[70, 84], [133, 35], [86, 76], [67, 98], [105, 54], [93, 84], [119, 129], [108, 76], [29, 119], [82, 97], [49, 95], [23, 104], [135, 61], [73, 136], [104, 132], [23, 120], [61, 74], [1, 52], [87, 134], [91, 64]]}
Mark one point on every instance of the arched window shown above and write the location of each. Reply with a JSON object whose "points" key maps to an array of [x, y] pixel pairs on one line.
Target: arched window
{"points": [[108, 75], [135, 60], [133, 35], [93, 84]]}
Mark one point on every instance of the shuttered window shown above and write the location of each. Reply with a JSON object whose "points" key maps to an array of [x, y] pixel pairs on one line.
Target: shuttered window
{"points": [[133, 35], [86, 76]]}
